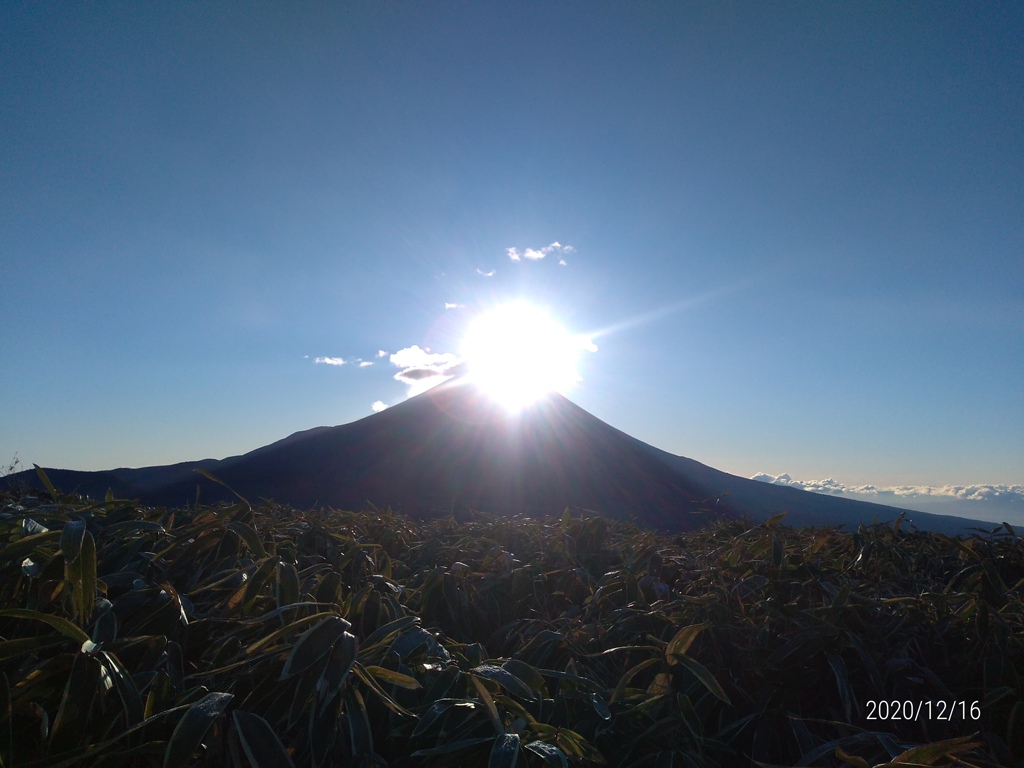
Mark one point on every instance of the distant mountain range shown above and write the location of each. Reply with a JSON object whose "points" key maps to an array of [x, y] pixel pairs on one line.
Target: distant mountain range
{"points": [[452, 449]]}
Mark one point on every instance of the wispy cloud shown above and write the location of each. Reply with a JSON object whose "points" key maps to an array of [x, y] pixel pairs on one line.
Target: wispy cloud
{"points": [[968, 500], [378, 406], [382, 353], [356, 361], [453, 305], [423, 369], [536, 254], [832, 486], [490, 272]]}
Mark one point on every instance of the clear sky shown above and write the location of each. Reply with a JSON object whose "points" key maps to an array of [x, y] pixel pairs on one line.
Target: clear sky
{"points": [[794, 232]]}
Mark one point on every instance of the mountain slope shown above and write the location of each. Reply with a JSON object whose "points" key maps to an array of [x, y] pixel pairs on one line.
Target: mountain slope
{"points": [[453, 449]]}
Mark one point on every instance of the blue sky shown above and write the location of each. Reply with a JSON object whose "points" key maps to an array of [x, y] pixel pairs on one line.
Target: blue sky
{"points": [[794, 231]]}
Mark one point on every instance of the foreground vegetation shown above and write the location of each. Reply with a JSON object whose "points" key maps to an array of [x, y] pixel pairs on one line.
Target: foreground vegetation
{"points": [[266, 636]]}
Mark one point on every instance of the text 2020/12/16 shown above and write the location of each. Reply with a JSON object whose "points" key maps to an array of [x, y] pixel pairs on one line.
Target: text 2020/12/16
{"points": [[930, 710]]}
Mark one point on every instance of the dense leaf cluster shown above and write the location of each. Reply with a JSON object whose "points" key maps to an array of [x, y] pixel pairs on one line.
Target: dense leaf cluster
{"points": [[268, 636]]}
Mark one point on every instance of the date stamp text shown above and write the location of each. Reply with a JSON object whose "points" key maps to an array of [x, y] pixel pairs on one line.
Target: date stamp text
{"points": [[938, 709]]}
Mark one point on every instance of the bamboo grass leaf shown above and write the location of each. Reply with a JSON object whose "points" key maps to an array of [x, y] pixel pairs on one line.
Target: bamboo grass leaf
{"points": [[339, 664], [488, 702], [218, 481], [505, 679], [83, 577], [505, 752], [248, 534], [26, 547], [191, 729], [45, 480], [286, 585], [394, 678], [600, 707], [930, 754], [314, 643], [6, 734], [381, 694], [682, 640], [705, 677], [454, 746], [63, 626], [71, 540], [624, 681], [549, 753], [261, 744], [71, 723]]}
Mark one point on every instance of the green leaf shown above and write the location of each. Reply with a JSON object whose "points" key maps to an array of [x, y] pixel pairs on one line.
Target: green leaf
{"points": [[313, 644], [704, 676], [25, 547], [386, 632], [380, 693], [549, 753], [81, 574], [71, 723], [63, 626], [682, 640], [505, 752], [255, 585], [339, 664], [930, 754], [286, 585], [6, 733], [454, 746], [505, 679], [530, 675], [600, 707], [261, 745], [628, 676], [252, 540], [218, 481], [71, 540], [190, 730], [395, 678], [288, 629], [46, 482]]}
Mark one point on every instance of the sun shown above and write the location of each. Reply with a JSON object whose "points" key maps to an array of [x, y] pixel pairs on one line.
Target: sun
{"points": [[517, 353]]}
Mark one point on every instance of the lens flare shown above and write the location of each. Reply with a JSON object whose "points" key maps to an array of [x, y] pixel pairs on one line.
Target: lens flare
{"points": [[517, 353]]}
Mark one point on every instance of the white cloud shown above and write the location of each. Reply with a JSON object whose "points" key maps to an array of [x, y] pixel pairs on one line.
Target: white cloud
{"points": [[381, 353], [365, 363], [536, 254], [329, 361], [489, 273], [415, 356], [378, 406], [988, 501], [423, 369], [453, 305]]}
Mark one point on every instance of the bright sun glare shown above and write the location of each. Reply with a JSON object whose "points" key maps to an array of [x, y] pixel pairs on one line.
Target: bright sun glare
{"points": [[517, 353]]}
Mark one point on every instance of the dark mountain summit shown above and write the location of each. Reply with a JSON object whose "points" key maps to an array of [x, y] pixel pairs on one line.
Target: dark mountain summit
{"points": [[453, 449]]}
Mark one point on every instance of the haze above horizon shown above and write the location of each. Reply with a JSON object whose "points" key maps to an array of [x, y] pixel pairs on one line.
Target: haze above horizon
{"points": [[793, 232]]}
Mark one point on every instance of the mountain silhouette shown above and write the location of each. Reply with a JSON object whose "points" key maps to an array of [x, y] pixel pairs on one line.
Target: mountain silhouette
{"points": [[453, 449]]}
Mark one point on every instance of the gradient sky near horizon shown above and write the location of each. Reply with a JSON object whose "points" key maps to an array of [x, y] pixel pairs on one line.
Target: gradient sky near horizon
{"points": [[794, 231]]}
